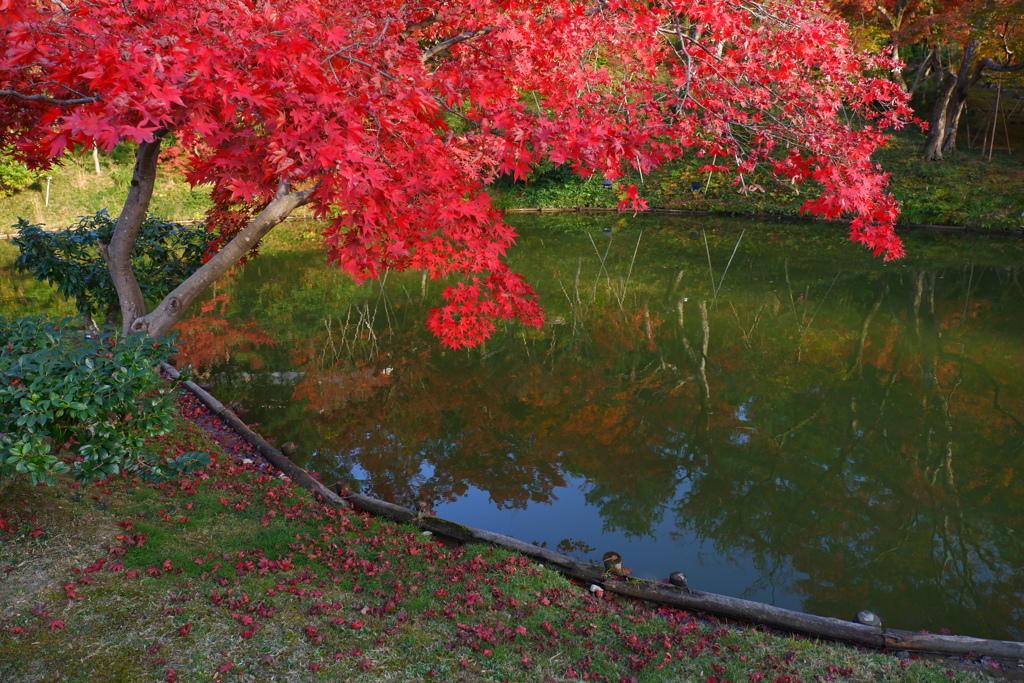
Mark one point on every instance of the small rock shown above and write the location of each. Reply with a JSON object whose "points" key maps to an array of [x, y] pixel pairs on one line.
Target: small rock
{"points": [[868, 618]]}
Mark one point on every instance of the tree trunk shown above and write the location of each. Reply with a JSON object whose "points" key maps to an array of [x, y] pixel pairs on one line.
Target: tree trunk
{"points": [[937, 125], [925, 68], [167, 313], [118, 253], [134, 317], [949, 105], [952, 98], [111, 316], [897, 76]]}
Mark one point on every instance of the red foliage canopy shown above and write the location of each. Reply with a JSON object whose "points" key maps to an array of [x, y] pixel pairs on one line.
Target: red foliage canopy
{"points": [[396, 115]]}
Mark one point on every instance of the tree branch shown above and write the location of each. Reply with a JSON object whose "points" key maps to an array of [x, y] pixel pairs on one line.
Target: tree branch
{"points": [[167, 313], [989, 64], [454, 40], [48, 99], [119, 252], [417, 25]]}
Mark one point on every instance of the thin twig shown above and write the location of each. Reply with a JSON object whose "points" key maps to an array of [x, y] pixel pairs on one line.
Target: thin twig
{"points": [[724, 272]]}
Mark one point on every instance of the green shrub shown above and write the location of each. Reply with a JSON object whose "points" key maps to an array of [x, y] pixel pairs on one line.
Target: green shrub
{"points": [[78, 403], [14, 175], [165, 254]]}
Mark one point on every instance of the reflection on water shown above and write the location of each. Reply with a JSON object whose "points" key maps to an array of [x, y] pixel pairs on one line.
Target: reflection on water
{"points": [[811, 428]]}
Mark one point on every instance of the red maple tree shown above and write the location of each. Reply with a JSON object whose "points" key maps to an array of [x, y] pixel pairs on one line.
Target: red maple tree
{"points": [[388, 120]]}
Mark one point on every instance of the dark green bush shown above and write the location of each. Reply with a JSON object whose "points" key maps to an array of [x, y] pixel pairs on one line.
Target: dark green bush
{"points": [[79, 403], [165, 254]]}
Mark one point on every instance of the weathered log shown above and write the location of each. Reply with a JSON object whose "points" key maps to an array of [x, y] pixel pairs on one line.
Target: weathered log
{"points": [[273, 456], [467, 534], [825, 627], [896, 639], [755, 612]]}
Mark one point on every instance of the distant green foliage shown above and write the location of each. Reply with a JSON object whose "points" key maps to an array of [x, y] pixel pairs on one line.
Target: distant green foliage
{"points": [[165, 254], [79, 403], [14, 175], [965, 189], [556, 186]]}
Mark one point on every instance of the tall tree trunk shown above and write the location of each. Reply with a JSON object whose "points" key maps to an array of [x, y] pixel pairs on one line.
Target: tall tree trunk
{"points": [[118, 253], [949, 105]]}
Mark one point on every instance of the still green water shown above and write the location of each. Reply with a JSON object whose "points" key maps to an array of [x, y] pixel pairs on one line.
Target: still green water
{"points": [[766, 408]]}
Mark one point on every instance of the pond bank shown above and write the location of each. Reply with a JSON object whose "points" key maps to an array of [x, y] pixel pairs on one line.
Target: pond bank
{"points": [[965, 189], [233, 574], [808, 624], [1019, 232]]}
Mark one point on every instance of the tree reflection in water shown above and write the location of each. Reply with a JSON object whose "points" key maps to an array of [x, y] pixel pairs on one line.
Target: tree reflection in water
{"points": [[848, 431]]}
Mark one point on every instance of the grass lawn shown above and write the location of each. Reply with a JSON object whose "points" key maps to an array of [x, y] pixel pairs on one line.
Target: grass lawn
{"points": [[75, 189]]}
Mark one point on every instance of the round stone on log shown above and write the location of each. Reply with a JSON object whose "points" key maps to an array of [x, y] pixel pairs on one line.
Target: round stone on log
{"points": [[868, 618]]}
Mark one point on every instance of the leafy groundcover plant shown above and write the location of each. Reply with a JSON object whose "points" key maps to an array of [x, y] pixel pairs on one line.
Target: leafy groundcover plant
{"points": [[82, 403]]}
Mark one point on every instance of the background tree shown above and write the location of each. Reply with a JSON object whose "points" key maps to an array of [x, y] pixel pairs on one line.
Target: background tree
{"points": [[990, 34], [389, 120], [889, 18]]}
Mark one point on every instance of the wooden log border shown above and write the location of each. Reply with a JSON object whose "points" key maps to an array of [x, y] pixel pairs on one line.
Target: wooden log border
{"points": [[828, 628]]}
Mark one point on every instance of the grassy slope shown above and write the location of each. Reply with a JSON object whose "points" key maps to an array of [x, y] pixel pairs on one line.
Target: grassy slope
{"points": [[966, 189], [240, 576], [76, 190]]}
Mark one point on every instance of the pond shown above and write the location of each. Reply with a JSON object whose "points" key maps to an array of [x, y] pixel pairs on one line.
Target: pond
{"points": [[764, 407]]}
